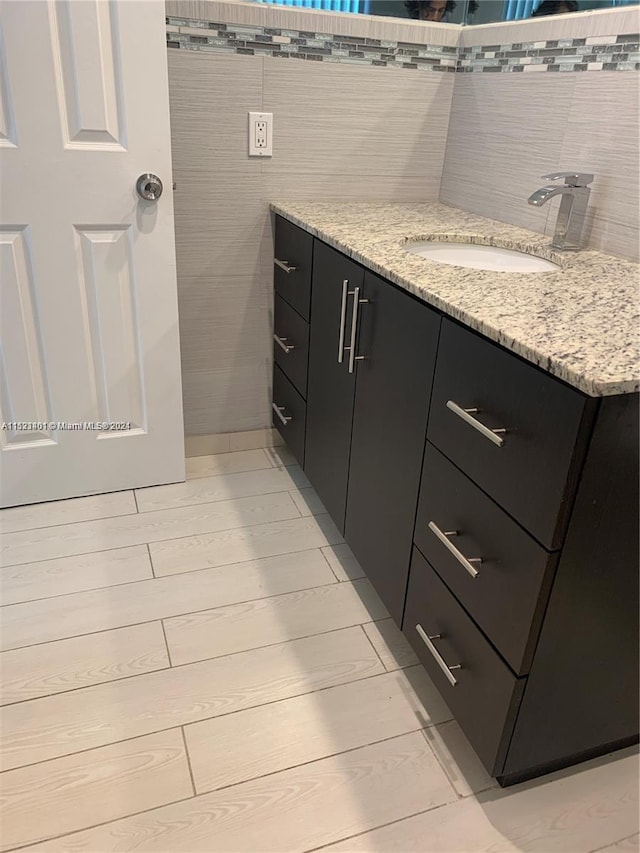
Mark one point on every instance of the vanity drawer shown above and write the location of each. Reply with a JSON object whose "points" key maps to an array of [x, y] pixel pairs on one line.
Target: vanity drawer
{"points": [[507, 595], [289, 413], [483, 693], [291, 344], [292, 265], [531, 467]]}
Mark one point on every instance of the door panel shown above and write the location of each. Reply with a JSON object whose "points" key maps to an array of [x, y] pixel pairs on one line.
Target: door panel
{"points": [[398, 340], [330, 386], [89, 298]]}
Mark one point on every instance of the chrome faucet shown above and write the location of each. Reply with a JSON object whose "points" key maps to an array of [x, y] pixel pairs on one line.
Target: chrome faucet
{"points": [[573, 207]]}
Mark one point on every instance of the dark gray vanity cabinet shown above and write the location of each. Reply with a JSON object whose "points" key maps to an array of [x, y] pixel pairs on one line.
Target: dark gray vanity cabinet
{"points": [[337, 281], [493, 507], [372, 352], [292, 284], [397, 344], [523, 590]]}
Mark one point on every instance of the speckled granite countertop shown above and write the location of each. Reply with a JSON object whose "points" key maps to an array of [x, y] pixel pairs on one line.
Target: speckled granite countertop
{"points": [[580, 323]]}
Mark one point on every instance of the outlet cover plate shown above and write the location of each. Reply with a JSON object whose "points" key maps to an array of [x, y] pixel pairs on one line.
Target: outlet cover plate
{"points": [[260, 134]]}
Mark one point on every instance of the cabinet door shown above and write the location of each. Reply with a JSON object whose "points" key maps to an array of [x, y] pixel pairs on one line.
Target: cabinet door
{"points": [[398, 339], [330, 386]]}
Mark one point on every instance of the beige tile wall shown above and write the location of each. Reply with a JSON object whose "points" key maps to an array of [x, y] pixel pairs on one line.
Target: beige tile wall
{"points": [[507, 130], [340, 132]]}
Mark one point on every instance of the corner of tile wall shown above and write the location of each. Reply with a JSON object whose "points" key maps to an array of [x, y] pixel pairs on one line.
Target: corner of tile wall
{"points": [[598, 22], [290, 18]]}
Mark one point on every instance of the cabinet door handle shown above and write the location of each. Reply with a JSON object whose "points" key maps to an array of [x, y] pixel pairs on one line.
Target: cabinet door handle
{"points": [[343, 319], [460, 557], [279, 410], [284, 265], [494, 435], [283, 346], [357, 302], [444, 666]]}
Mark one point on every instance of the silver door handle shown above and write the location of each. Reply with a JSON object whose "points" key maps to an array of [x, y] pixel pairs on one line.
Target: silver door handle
{"points": [[149, 187], [357, 302], [494, 435], [460, 557], [279, 410], [281, 343], [444, 666], [284, 265], [343, 318]]}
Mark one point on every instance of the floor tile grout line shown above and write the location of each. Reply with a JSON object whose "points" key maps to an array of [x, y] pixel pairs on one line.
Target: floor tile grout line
{"points": [[92, 826], [328, 563], [190, 478], [376, 652], [153, 571], [170, 538], [163, 668], [215, 791], [144, 512], [178, 615], [92, 748], [271, 465], [188, 758], [376, 828], [195, 722], [166, 642], [310, 761], [613, 843], [64, 523], [177, 665], [134, 491], [153, 576]]}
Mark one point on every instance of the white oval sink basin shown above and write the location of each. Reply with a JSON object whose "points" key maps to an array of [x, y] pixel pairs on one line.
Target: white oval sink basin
{"points": [[478, 257]]}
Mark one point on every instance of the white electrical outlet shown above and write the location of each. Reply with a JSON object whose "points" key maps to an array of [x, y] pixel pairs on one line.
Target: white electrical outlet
{"points": [[260, 134]]}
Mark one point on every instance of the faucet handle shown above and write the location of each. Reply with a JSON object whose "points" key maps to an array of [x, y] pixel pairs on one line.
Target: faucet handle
{"points": [[571, 179]]}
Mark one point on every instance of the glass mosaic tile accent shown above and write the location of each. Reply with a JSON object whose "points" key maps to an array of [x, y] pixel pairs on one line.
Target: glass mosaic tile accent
{"points": [[597, 53]]}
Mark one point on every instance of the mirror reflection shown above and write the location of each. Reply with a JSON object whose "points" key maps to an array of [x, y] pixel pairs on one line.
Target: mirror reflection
{"points": [[465, 12]]}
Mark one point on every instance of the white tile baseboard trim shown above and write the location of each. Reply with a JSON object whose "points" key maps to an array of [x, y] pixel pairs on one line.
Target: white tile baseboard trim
{"points": [[226, 442]]}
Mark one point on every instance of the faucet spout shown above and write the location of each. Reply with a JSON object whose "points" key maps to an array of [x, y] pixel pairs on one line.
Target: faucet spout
{"points": [[539, 197], [573, 207]]}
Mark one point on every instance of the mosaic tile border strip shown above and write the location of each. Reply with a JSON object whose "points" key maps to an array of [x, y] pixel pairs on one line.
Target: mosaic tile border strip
{"points": [[597, 53], [298, 44]]}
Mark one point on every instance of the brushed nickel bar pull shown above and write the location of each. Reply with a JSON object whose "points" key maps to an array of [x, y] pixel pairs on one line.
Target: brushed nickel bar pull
{"points": [[284, 265], [460, 557], [357, 302], [343, 319], [279, 410], [493, 435], [444, 666], [281, 343]]}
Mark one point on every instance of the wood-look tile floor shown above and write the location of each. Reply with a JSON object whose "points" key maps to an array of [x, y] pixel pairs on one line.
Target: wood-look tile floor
{"points": [[204, 667]]}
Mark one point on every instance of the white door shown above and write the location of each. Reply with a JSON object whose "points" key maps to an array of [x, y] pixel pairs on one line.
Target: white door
{"points": [[88, 309]]}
